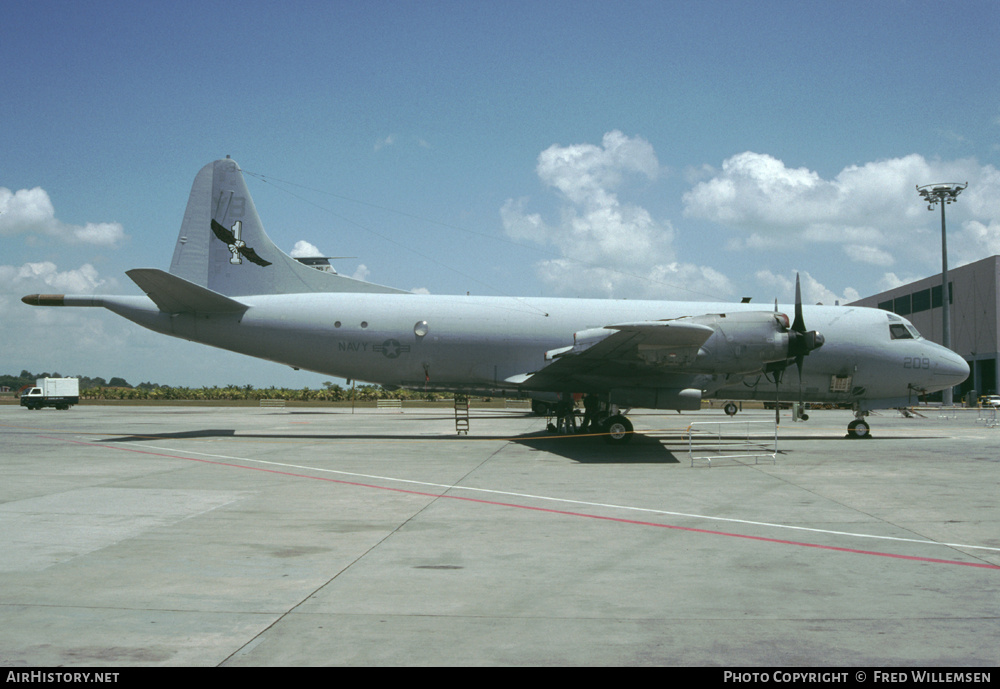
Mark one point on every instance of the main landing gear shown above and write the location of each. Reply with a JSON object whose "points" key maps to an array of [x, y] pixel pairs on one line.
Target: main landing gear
{"points": [[618, 429], [610, 424]]}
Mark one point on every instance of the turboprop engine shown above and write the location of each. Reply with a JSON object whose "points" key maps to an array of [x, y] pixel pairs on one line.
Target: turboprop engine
{"points": [[741, 342], [746, 342]]}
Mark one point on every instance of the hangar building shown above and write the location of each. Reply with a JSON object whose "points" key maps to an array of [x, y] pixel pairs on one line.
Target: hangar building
{"points": [[975, 310]]}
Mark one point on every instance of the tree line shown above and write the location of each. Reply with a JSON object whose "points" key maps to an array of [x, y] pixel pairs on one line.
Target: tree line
{"points": [[16, 382], [119, 389]]}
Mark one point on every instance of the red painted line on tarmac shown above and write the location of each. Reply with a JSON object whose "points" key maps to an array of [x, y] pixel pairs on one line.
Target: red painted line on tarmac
{"points": [[547, 510]]}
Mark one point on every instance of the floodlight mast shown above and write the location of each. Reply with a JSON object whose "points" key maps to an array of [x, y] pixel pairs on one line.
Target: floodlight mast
{"points": [[944, 194]]}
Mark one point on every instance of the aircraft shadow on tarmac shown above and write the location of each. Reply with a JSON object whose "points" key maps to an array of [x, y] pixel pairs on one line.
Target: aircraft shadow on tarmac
{"points": [[592, 449], [586, 449], [205, 433]]}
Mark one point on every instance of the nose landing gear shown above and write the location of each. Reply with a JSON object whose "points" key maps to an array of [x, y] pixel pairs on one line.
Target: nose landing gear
{"points": [[859, 428]]}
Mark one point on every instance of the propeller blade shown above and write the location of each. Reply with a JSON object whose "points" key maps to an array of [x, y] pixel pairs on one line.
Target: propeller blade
{"points": [[798, 364], [800, 340], [799, 325], [800, 343]]}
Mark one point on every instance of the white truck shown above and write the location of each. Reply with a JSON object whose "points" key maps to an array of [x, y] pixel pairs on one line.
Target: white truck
{"points": [[61, 393]]}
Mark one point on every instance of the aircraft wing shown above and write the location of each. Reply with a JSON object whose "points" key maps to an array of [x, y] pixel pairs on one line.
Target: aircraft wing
{"points": [[619, 352]]}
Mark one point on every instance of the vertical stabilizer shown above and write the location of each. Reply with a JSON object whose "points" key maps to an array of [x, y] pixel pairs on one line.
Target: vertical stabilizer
{"points": [[222, 244]]}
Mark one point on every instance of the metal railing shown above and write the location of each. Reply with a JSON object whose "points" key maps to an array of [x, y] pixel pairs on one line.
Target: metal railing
{"points": [[732, 440], [985, 415]]}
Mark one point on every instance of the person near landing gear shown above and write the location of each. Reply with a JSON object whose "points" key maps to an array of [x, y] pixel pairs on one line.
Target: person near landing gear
{"points": [[565, 420], [591, 411]]}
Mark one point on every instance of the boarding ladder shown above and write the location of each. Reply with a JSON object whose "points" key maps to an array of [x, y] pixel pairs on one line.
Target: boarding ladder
{"points": [[461, 414]]}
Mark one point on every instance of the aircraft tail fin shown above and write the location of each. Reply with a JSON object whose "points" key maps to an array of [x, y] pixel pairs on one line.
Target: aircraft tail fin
{"points": [[222, 245]]}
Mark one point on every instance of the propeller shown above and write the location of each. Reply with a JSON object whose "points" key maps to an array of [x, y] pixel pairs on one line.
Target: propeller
{"points": [[800, 343]]}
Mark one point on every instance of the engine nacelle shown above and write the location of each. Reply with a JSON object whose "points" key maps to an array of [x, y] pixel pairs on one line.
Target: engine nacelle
{"points": [[743, 342]]}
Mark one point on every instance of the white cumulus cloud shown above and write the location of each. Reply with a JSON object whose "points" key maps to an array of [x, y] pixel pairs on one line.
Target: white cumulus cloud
{"points": [[871, 212], [30, 212], [304, 249], [608, 247], [362, 272], [782, 287], [30, 328], [45, 276], [978, 240], [385, 142]]}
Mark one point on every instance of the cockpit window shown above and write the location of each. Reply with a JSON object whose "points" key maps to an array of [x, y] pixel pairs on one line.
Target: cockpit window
{"points": [[899, 331]]}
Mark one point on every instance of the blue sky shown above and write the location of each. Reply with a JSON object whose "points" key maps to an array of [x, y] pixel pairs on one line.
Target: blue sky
{"points": [[669, 150]]}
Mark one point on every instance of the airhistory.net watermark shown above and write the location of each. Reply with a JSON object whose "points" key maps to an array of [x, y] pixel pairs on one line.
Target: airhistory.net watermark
{"points": [[44, 677]]}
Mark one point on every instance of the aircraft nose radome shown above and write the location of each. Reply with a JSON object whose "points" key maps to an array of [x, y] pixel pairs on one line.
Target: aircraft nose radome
{"points": [[952, 368]]}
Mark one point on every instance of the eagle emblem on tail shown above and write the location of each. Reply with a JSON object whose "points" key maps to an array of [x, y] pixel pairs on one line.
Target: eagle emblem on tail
{"points": [[236, 245]]}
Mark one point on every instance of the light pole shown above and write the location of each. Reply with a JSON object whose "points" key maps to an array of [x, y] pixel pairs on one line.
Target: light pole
{"points": [[944, 194]]}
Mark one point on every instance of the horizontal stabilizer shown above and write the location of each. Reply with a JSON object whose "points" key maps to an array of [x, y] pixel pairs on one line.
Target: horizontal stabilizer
{"points": [[173, 294]]}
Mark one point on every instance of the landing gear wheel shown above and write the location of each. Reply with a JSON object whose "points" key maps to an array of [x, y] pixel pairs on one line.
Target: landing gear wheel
{"points": [[858, 429], [619, 430], [730, 408]]}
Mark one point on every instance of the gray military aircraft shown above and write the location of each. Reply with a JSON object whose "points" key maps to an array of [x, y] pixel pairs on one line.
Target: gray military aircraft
{"points": [[229, 286]]}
